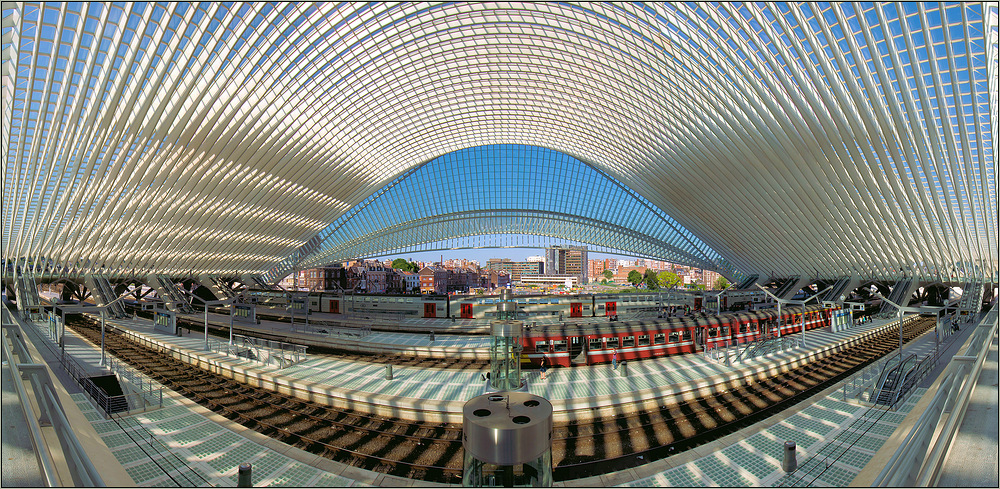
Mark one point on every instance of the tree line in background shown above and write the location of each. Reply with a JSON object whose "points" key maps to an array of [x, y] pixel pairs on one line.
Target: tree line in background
{"points": [[653, 280], [406, 266]]}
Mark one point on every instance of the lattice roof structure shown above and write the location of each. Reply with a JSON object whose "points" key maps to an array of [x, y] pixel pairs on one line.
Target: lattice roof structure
{"points": [[778, 138]]}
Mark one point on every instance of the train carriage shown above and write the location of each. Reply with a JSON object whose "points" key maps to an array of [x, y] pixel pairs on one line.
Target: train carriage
{"points": [[572, 344]]}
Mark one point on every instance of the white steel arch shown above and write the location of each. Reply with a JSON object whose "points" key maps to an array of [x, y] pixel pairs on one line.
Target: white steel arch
{"points": [[792, 138]]}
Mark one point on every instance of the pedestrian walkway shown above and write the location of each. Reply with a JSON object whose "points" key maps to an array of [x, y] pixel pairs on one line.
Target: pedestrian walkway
{"points": [[446, 390], [213, 446], [755, 459], [20, 465], [975, 463]]}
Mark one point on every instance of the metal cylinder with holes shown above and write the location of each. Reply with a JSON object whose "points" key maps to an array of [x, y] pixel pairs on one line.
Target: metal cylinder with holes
{"points": [[507, 438]]}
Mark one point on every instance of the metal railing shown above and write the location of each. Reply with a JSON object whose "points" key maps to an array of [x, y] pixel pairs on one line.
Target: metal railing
{"points": [[891, 381], [919, 458], [339, 331], [265, 352], [861, 381], [81, 468]]}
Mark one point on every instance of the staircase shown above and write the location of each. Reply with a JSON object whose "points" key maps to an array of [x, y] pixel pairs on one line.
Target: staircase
{"points": [[765, 346], [833, 295], [216, 285], [167, 290], [100, 287], [972, 296], [26, 290], [900, 295], [255, 281], [748, 282], [788, 287], [894, 382]]}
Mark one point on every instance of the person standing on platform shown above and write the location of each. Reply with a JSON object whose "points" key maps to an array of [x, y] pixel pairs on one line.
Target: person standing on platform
{"points": [[614, 359], [543, 366]]}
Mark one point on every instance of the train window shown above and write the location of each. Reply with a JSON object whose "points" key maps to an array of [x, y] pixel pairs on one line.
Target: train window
{"points": [[713, 332], [541, 346], [725, 331], [628, 341], [613, 342], [659, 338], [597, 343], [559, 345], [687, 335], [644, 340], [674, 337], [743, 328]]}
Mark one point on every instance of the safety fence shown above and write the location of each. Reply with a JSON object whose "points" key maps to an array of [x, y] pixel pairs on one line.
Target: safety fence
{"points": [[918, 460], [265, 352], [51, 413]]}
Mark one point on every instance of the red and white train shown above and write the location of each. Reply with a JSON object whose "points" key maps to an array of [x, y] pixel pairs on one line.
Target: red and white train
{"points": [[589, 344]]}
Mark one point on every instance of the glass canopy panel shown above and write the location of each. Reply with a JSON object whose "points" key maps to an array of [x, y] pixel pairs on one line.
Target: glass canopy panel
{"points": [[503, 189], [792, 138]]}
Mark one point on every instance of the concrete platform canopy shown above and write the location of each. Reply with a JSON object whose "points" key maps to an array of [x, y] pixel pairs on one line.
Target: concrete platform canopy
{"points": [[769, 139]]}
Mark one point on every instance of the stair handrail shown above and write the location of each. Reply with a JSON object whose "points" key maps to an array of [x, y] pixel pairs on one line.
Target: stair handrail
{"points": [[889, 366], [900, 388], [919, 459], [81, 467]]}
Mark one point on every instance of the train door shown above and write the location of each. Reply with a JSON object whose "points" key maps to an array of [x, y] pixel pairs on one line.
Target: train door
{"points": [[610, 308], [699, 337], [697, 303], [577, 350], [575, 309], [334, 306], [466, 311], [430, 310]]}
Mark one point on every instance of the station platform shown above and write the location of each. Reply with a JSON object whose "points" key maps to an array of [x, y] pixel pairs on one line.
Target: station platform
{"points": [[431, 394], [213, 446], [976, 463]]}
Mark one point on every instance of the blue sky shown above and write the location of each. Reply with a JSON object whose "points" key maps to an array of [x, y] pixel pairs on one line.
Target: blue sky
{"points": [[481, 255]]}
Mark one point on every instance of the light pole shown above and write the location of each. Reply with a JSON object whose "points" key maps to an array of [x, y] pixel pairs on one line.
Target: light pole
{"points": [[62, 336], [718, 299], [776, 299], [804, 313], [786, 301], [902, 309]]}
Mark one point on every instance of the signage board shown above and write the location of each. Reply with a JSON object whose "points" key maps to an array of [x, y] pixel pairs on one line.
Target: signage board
{"points": [[164, 322], [245, 313]]}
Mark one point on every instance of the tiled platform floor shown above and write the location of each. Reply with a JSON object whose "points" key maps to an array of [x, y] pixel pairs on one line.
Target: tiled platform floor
{"points": [[561, 384], [189, 450], [210, 452], [834, 440]]}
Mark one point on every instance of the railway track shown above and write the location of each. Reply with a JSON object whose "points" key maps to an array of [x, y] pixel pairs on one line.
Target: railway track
{"points": [[341, 353], [430, 451], [618, 443], [433, 452]]}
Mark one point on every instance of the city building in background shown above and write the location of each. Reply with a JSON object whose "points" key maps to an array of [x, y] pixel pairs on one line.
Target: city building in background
{"points": [[516, 269], [567, 260]]}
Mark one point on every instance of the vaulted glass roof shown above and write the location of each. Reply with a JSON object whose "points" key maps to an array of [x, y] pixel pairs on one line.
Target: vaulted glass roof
{"points": [[790, 138], [504, 189]]}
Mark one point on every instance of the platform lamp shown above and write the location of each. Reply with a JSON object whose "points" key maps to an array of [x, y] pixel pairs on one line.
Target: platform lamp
{"points": [[217, 303], [718, 299], [786, 301], [901, 309], [62, 335]]}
